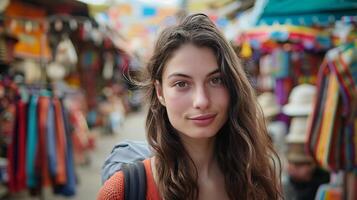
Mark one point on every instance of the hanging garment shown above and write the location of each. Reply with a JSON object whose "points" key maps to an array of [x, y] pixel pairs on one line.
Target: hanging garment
{"points": [[331, 133], [61, 143], [40, 152], [69, 189], [21, 131], [42, 167], [347, 85], [31, 146], [12, 161], [315, 120], [328, 120], [51, 140], [16, 151]]}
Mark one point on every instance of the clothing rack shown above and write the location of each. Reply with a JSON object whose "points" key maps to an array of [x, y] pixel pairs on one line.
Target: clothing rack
{"points": [[24, 166], [47, 129]]}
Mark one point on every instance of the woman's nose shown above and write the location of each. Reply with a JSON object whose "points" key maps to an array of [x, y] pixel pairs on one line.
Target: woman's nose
{"points": [[201, 99]]}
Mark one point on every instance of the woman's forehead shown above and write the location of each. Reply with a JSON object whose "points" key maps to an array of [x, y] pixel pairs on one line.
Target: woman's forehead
{"points": [[191, 59]]}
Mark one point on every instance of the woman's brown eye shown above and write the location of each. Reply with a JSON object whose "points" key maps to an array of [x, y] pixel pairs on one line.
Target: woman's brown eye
{"points": [[216, 81], [181, 84]]}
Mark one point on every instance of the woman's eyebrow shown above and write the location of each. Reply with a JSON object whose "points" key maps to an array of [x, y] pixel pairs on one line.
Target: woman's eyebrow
{"points": [[214, 72], [187, 76], [179, 74]]}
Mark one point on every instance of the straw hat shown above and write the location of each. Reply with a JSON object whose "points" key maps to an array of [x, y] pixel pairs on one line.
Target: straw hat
{"points": [[296, 141], [269, 105], [296, 153], [300, 100]]}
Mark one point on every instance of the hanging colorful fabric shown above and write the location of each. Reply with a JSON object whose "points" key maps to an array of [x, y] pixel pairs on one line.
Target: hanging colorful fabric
{"points": [[61, 177], [11, 167], [21, 151], [68, 189], [328, 120], [335, 158], [31, 147], [347, 86], [41, 158], [51, 141], [314, 127], [332, 133]]}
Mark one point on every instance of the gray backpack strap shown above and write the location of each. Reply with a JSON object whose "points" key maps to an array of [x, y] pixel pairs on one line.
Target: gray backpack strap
{"points": [[134, 181]]}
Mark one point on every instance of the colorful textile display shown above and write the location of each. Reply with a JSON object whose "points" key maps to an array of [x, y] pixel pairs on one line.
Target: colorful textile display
{"points": [[332, 131], [40, 153], [306, 37]]}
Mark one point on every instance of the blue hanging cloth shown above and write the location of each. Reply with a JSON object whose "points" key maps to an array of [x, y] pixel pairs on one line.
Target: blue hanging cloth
{"points": [[31, 146], [69, 189]]}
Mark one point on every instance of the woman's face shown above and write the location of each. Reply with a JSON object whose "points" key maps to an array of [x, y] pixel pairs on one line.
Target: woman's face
{"points": [[193, 92]]}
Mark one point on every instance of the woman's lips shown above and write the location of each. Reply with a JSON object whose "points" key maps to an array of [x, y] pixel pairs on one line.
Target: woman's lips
{"points": [[203, 120]]}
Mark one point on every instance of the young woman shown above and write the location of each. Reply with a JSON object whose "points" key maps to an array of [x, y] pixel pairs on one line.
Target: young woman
{"points": [[205, 129]]}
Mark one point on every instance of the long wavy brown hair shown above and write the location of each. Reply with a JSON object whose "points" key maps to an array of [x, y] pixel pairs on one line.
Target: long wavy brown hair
{"points": [[242, 147]]}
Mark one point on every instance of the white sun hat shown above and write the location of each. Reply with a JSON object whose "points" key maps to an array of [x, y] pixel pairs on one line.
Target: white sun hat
{"points": [[301, 100]]}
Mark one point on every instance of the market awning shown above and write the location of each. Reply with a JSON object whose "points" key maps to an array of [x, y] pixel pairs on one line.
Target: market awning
{"points": [[306, 12]]}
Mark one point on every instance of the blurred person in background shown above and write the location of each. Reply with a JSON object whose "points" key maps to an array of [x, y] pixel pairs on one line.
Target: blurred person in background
{"points": [[303, 176]]}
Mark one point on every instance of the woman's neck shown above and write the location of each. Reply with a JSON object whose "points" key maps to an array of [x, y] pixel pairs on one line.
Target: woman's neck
{"points": [[202, 153]]}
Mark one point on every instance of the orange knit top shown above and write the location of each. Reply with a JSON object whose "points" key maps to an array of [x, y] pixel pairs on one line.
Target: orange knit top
{"points": [[113, 188]]}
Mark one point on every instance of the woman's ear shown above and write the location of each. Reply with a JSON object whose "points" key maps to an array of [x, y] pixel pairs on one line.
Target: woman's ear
{"points": [[159, 93]]}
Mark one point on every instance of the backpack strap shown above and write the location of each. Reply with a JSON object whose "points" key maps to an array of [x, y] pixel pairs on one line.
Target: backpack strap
{"points": [[134, 181]]}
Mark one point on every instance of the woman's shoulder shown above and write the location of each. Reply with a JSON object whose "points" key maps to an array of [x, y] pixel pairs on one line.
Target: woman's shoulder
{"points": [[113, 188]]}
